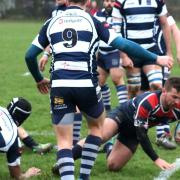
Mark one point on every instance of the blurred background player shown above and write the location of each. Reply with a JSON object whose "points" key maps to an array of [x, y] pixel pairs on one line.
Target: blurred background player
{"points": [[16, 113], [108, 60], [29, 142]]}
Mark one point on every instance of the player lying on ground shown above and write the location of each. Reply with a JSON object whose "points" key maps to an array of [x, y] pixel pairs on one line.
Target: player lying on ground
{"points": [[16, 113]]}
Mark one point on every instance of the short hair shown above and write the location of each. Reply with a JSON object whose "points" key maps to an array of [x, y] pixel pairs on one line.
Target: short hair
{"points": [[79, 1], [172, 82]]}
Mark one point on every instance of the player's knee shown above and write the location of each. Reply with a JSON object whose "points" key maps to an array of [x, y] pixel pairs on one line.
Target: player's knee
{"points": [[155, 86], [134, 84], [133, 90], [113, 165], [155, 79]]}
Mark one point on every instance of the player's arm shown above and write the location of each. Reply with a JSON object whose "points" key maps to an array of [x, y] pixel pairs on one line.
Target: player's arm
{"points": [[135, 50], [166, 33], [38, 45], [13, 158], [146, 105], [176, 35]]}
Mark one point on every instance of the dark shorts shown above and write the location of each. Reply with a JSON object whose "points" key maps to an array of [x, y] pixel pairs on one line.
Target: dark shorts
{"points": [[65, 99], [127, 132], [111, 60]]}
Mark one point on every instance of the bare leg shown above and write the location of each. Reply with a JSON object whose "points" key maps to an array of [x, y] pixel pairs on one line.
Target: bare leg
{"points": [[119, 156]]}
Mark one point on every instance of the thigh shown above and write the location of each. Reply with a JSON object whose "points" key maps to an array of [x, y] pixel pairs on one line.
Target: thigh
{"points": [[102, 75], [89, 101], [119, 156], [62, 105]]}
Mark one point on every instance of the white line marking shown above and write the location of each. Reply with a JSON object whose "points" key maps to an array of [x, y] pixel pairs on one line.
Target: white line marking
{"points": [[26, 74], [165, 174], [42, 133]]}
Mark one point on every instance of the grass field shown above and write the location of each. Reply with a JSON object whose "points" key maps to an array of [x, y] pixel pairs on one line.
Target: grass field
{"points": [[15, 38]]}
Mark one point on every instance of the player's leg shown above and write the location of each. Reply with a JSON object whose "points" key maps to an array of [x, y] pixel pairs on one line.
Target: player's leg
{"points": [[62, 116], [117, 75], [77, 126], [91, 145], [154, 76], [122, 151], [134, 81], [105, 90], [93, 109], [31, 143]]}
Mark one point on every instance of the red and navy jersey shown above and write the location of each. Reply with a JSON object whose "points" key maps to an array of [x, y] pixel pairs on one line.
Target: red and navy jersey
{"points": [[146, 110]]}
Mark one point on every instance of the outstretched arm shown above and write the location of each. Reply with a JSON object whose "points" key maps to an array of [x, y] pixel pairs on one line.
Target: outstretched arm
{"points": [[148, 149], [15, 172], [135, 50]]}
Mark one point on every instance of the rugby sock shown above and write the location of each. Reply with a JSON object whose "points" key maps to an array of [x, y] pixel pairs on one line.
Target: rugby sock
{"points": [[122, 93], [89, 154], [167, 129], [77, 127], [29, 142], [106, 95], [107, 148], [66, 164], [159, 131], [77, 151]]}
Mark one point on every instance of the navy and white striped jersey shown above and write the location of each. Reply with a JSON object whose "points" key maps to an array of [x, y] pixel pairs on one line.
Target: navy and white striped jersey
{"points": [[138, 19], [105, 17], [74, 37], [8, 138]]}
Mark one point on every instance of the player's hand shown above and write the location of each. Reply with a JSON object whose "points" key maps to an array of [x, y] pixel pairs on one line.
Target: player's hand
{"points": [[33, 171], [163, 164], [165, 61], [127, 62], [43, 86], [42, 62]]}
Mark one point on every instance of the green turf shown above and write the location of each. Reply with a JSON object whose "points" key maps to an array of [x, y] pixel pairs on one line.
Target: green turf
{"points": [[15, 37]]}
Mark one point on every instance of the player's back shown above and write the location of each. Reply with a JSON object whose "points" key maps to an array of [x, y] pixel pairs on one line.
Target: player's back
{"points": [[8, 130], [74, 42]]}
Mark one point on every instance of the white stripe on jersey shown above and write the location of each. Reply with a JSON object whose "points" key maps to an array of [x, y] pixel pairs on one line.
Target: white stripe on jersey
{"points": [[72, 83], [81, 46], [36, 42], [71, 65]]}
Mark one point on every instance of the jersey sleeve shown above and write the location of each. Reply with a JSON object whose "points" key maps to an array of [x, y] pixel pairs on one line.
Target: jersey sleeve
{"points": [[105, 31], [162, 8], [13, 154], [116, 12], [146, 105], [41, 40]]}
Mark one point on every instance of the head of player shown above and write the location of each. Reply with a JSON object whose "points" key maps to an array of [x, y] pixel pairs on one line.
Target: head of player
{"points": [[61, 2], [19, 109], [170, 97], [108, 5]]}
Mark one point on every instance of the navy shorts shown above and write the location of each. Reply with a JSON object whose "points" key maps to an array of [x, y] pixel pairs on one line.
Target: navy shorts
{"points": [[108, 61], [127, 131], [65, 99]]}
